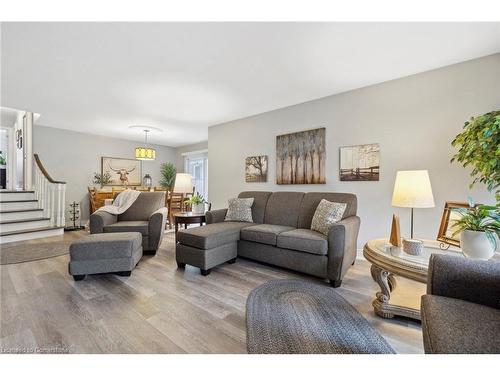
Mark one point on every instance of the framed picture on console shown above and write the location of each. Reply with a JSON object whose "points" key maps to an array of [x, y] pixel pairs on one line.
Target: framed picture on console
{"points": [[450, 215], [124, 172]]}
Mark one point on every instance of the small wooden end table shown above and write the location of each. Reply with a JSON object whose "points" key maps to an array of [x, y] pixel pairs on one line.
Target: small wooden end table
{"points": [[187, 218], [389, 261]]}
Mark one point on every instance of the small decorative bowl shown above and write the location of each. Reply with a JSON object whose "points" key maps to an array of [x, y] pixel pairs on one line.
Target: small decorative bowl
{"points": [[413, 247]]}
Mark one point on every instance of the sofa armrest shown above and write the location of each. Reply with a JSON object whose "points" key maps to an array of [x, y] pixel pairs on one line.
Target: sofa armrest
{"points": [[216, 216], [156, 227], [342, 246], [99, 219], [467, 279]]}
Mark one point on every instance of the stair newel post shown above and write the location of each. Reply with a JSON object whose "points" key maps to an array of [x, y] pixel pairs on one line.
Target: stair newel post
{"points": [[43, 197], [53, 204], [46, 195], [60, 219]]}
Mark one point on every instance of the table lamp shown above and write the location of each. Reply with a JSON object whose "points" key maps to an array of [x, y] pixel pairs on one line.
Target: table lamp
{"points": [[413, 189], [183, 183]]}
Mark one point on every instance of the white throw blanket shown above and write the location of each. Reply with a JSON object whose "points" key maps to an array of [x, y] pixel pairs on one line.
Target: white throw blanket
{"points": [[122, 202]]}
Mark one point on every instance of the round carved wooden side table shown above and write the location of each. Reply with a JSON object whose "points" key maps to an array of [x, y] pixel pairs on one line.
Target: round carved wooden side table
{"points": [[389, 261]]}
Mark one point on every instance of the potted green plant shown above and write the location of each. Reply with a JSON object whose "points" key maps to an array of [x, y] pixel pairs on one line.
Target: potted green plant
{"points": [[479, 228], [197, 203], [168, 172], [102, 179], [479, 147]]}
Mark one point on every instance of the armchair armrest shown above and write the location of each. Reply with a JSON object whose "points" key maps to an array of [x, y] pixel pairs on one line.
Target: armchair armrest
{"points": [[99, 219], [216, 216], [471, 280], [342, 246], [156, 227]]}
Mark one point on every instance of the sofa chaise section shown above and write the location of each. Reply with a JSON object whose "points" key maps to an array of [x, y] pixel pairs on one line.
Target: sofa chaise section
{"points": [[208, 246]]}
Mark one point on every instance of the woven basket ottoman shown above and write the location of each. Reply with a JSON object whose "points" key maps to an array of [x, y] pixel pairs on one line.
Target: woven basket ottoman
{"points": [[105, 253]]}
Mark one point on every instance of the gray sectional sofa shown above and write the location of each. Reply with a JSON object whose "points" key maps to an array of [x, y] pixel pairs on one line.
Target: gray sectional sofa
{"points": [[279, 235]]}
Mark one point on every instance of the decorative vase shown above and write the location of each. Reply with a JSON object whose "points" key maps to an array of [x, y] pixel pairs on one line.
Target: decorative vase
{"points": [[147, 181], [413, 247], [198, 208], [476, 245]]}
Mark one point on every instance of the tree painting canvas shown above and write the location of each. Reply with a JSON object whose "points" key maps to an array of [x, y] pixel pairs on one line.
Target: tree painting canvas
{"points": [[360, 163], [124, 172], [256, 169], [301, 157]]}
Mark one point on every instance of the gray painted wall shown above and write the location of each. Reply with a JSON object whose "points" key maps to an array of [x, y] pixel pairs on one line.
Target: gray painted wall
{"points": [[179, 159], [74, 157], [414, 119]]}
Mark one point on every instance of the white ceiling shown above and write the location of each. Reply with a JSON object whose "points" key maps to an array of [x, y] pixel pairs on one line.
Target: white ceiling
{"points": [[183, 77]]}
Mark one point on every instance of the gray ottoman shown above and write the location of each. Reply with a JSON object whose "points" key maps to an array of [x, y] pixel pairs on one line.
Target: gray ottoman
{"points": [[104, 253]]}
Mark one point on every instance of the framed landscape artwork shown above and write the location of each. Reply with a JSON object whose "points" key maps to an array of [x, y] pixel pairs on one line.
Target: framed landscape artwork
{"points": [[301, 157], [124, 172], [360, 163], [256, 168]]}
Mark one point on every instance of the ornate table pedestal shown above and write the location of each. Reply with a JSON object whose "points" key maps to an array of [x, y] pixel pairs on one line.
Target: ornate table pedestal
{"points": [[389, 261], [381, 305]]}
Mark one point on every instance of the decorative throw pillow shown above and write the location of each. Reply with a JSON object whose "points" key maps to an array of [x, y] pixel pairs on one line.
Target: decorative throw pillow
{"points": [[327, 213], [239, 209]]}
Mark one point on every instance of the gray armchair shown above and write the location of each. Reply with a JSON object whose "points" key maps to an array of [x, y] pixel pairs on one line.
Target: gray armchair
{"points": [[147, 215], [461, 310]]}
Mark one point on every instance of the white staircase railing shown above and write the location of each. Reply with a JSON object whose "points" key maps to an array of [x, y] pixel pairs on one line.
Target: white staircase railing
{"points": [[51, 194]]}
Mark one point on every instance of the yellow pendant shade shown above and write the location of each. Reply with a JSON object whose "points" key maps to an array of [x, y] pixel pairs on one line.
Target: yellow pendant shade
{"points": [[145, 153]]}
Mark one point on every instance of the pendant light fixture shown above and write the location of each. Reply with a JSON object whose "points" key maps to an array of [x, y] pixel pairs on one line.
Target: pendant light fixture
{"points": [[145, 152]]}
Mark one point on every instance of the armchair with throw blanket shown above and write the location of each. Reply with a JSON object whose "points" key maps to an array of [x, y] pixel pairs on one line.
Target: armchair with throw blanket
{"points": [[147, 215]]}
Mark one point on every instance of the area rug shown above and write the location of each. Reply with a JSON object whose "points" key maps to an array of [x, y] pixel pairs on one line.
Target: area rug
{"points": [[27, 253], [298, 317]]}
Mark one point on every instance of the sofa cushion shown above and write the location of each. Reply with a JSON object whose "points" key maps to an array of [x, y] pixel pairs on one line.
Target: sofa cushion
{"points": [[239, 209], [212, 235], [305, 240], [283, 208], [311, 201], [326, 215], [128, 226], [145, 204], [105, 246], [263, 233], [455, 326], [259, 203]]}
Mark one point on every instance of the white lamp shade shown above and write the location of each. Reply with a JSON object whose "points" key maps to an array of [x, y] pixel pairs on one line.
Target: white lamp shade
{"points": [[183, 183], [413, 189]]}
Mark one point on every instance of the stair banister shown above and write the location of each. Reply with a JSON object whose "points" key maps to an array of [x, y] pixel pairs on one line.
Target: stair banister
{"points": [[51, 194]]}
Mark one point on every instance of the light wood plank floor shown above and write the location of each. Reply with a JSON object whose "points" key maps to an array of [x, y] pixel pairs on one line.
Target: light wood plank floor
{"points": [[159, 309]]}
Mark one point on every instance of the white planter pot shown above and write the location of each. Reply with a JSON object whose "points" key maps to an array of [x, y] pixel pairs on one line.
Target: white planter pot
{"points": [[198, 208], [476, 245]]}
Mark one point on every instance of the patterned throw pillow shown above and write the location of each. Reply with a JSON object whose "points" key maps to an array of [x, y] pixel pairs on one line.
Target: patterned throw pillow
{"points": [[327, 213], [239, 209]]}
